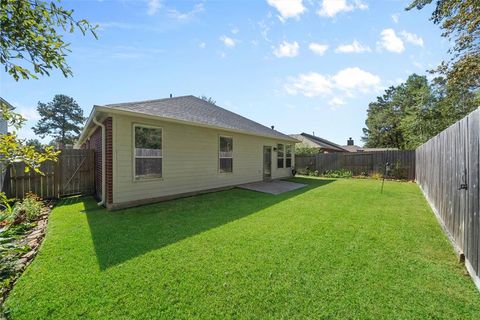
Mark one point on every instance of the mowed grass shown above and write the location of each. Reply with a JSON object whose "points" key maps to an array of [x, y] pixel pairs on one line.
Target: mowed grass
{"points": [[334, 249]]}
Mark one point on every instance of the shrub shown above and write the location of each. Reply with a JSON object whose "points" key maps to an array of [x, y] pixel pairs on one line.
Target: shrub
{"points": [[377, 176], [28, 210], [342, 173]]}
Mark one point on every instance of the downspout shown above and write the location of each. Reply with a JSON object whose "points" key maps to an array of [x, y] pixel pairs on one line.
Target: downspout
{"points": [[101, 203]]}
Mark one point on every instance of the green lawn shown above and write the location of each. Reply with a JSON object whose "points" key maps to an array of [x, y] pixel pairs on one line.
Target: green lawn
{"points": [[335, 249]]}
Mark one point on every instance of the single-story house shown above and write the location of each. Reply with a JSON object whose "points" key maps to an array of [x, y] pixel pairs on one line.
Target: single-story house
{"points": [[161, 149], [352, 147], [312, 141]]}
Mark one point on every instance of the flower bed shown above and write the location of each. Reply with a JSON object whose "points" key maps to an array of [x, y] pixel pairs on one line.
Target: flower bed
{"points": [[22, 229]]}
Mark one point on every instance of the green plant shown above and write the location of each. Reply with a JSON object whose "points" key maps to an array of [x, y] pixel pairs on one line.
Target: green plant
{"points": [[28, 210], [342, 173], [377, 175]]}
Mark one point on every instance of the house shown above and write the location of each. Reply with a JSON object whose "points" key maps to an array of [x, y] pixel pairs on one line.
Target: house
{"points": [[351, 147], [312, 141], [161, 149]]}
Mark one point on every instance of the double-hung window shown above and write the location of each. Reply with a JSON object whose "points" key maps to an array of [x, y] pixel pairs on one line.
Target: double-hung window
{"points": [[288, 158], [148, 152], [280, 155], [225, 154]]}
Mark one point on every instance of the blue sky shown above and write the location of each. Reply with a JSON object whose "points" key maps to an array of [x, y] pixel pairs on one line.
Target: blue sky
{"points": [[303, 66]]}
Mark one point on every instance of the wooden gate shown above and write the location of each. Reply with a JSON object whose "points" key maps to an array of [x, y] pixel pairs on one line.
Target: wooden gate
{"points": [[76, 172], [72, 174]]}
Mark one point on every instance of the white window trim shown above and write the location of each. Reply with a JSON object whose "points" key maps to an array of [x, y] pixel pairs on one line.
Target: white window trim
{"points": [[284, 152], [288, 157], [220, 156], [134, 153]]}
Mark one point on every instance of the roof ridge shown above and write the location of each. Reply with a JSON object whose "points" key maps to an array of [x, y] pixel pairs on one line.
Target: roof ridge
{"points": [[323, 140], [151, 100]]}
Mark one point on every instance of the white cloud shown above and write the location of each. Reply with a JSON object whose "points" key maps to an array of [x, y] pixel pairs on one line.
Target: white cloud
{"points": [[412, 38], [227, 41], [183, 16], [235, 30], [288, 8], [330, 8], [356, 79], [311, 84], [349, 81], [287, 49], [391, 42], [395, 17], [202, 45], [153, 7], [318, 48], [29, 113], [354, 47], [336, 102]]}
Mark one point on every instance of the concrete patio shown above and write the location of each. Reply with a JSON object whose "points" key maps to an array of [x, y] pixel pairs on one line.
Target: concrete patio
{"points": [[273, 187]]}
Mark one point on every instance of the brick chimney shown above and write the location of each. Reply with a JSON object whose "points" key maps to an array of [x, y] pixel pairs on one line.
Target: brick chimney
{"points": [[350, 142]]}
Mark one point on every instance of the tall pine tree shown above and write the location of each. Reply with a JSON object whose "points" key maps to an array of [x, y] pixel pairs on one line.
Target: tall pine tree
{"points": [[61, 119]]}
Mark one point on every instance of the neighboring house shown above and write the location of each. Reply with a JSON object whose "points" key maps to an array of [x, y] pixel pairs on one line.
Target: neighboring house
{"points": [[161, 149], [312, 141], [351, 147], [3, 130]]}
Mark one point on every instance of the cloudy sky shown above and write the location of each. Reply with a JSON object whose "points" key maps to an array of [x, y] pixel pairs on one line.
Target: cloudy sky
{"points": [[303, 66]]}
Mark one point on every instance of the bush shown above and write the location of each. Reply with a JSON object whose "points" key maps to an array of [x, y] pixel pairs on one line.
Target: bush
{"points": [[377, 176], [28, 210], [342, 173]]}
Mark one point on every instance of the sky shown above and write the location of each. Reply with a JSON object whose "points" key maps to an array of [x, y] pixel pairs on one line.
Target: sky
{"points": [[301, 65]]}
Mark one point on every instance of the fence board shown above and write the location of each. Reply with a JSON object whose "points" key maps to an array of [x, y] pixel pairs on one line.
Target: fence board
{"points": [[359, 163], [448, 171], [72, 174]]}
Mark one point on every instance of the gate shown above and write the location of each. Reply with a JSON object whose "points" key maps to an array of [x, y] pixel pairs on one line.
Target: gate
{"points": [[76, 171]]}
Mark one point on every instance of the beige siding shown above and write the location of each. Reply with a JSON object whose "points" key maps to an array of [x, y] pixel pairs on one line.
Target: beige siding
{"points": [[190, 160]]}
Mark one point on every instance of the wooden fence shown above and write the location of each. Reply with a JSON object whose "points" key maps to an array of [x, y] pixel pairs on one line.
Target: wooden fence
{"points": [[402, 163], [72, 174], [448, 173]]}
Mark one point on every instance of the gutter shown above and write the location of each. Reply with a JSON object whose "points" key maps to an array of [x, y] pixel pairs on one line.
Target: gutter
{"points": [[101, 203]]}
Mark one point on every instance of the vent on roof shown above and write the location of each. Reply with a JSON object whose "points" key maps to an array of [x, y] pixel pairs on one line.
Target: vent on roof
{"points": [[350, 142], [273, 127], [171, 95]]}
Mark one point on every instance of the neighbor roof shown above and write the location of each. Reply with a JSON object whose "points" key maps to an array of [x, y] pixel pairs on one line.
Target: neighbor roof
{"points": [[197, 111], [356, 148], [314, 141]]}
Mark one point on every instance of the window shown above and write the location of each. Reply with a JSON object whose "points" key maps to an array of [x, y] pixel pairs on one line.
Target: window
{"points": [[280, 155], [288, 158], [225, 154], [148, 152]]}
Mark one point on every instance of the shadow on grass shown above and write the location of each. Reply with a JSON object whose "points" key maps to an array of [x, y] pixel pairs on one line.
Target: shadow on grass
{"points": [[125, 234]]}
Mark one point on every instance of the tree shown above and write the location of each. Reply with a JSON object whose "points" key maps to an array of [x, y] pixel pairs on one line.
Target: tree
{"points": [[303, 150], [208, 99], [404, 117], [30, 41], [61, 119], [15, 150], [35, 143], [382, 124], [460, 24]]}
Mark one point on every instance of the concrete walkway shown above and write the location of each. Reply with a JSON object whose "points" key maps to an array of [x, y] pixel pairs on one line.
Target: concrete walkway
{"points": [[272, 187]]}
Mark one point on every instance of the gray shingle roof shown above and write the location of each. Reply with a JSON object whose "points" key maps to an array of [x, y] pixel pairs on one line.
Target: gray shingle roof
{"points": [[196, 110], [318, 142]]}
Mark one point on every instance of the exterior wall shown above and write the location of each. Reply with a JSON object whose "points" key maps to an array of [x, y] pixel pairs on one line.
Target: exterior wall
{"points": [[95, 142], [190, 160]]}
